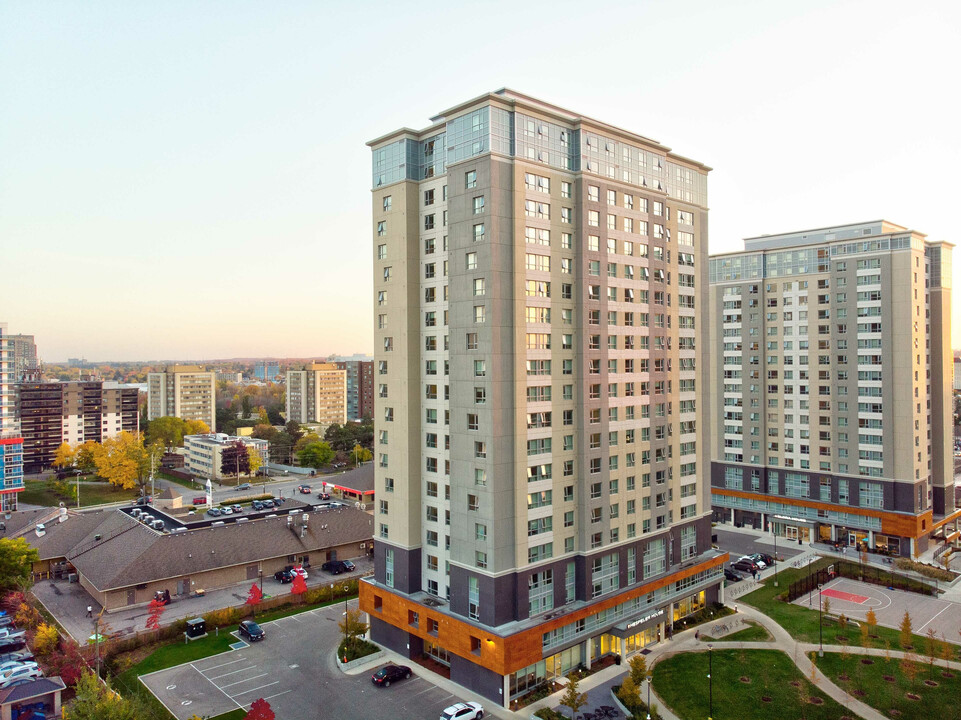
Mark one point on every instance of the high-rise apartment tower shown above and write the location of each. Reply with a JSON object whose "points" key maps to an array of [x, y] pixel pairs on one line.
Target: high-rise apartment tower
{"points": [[11, 443], [185, 391], [317, 394], [831, 362], [542, 497]]}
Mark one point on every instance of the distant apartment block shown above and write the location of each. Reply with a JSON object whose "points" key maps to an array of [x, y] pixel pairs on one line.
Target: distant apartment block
{"points": [[11, 442], [203, 454], [266, 370], [72, 412], [360, 388], [957, 374], [230, 376], [317, 394], [26, 366], [184, 391], [831, 369]]}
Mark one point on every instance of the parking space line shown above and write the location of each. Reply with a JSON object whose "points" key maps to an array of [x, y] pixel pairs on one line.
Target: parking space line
{"points": [[244, 692], [252, 677], [232, 672], [226, 694], [206, 670], [271, 697]]}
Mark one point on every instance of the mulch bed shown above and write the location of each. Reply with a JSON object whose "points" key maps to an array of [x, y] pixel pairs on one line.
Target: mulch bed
{"points": [[889, 678], [796, 683], [946, 674], [931, 683], [843, 677], [867, 661], [766, 699], [859, 693], [745, 679], [912, 696], [816, 700]]}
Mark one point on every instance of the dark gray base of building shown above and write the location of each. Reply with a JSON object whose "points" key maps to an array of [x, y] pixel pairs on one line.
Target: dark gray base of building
{"points": [[475, 678]]}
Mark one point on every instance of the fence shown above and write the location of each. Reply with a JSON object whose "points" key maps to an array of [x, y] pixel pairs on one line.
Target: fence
{"points": [[856, 571]]}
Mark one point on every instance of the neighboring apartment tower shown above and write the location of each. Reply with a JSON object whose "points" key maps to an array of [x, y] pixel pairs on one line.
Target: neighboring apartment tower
{"points": [[72, 412], [542, 498], [266, 370], [360, 388], [184, 391], [832, 415], [203, 454], [11, 443], [317, 394], [26, 366]]}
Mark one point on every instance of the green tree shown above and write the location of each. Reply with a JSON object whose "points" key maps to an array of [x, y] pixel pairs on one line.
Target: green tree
{"points": [[361, 454], [167, 430], [95, 701], [352, 627], [573, 699], [245, 407], [638, 665], [16, 562], [294, 430], [316, 455], [265, 432], [306, 440]]}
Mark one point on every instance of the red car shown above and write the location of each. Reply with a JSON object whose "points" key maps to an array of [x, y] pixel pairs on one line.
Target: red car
{"points": [[304, 489]]}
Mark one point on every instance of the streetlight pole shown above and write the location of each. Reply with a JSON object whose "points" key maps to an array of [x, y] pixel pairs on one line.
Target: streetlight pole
{"points": [[710, 678], [774, 530], [346, 618], [820, 633], [649, 678]]}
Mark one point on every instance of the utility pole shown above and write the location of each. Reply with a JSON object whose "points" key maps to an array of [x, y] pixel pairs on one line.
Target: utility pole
{"points": [[774, 530], [78, 489]]}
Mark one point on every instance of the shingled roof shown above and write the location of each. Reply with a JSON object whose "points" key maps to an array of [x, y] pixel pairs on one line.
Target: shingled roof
{"points": [[28, 691], [140, 555], [23, 521]]}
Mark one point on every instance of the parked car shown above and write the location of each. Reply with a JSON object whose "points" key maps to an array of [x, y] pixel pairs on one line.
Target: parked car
{"points": [[147, 500], [390, 673], [11, 633], [243, 486], [8, 646], [226, 510], [162, 596], [339, 465], [19, 656], [305, 489], [463, 711], [11, 664], [745, 565], [6, 622], [257, 505], [252, 631], [299, 570], [323, 496], [756, 560], [267, 503], [237, 508], [336, 567], [284, 576], [731, 575], [214, 512], [200, 500], [20, 673], [764, 557]]}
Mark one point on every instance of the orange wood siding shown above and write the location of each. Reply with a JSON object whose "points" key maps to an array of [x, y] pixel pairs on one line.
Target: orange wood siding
{"points": [[502, 655], [913, 526]]}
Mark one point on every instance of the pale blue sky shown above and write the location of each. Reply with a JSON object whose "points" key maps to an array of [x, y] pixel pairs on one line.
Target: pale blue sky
{"points": [[190, 180]]}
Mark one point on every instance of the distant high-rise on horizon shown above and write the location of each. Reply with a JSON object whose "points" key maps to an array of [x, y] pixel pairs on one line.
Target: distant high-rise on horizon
{"points": [[11, 442], [542, 495], [360, 387], [831, 362], [317, 393], [26, 366], [185, 391], [266, 370]]}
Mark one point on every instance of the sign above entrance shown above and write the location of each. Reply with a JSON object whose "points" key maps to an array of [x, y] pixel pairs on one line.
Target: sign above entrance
{"points": [[646, 618]]}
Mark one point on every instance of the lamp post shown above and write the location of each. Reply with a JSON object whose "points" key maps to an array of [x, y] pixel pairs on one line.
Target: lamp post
{"points": [[820, 634], [710, 679], [774, 530], [649, 679], [78, 488]]}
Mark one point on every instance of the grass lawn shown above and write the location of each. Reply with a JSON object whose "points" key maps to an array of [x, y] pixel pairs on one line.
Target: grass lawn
{"points": [[180, 481], [802, 622], [44, 492], [682, 682], [891, 696], [752, 633]]}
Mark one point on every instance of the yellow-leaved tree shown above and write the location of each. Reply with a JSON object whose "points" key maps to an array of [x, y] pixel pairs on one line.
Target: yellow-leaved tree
{"points": [[123, 460], [45, 641], [254, 459], [196, 427], [84, 456], [66, 456]]}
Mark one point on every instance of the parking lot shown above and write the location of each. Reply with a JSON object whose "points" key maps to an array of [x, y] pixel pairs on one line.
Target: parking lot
{"points": [[854, 599], [295, 671]]}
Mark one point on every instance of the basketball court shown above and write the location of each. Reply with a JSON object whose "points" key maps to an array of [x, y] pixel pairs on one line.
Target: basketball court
{"points": [[853, 599]]}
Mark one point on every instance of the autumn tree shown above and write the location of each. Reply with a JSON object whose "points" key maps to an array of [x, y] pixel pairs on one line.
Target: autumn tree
{"points": [[361, 454], [96, 701], [125, 461], [254, 461], [571, 698], [872, 621], [85, 457], [167, 430], [65, 457], [45, 640], [234, 459], [254, 597], [352, 627], [154, 612], [260, 710], [629, 693], [638, 665], [306, 440], [906, 629], [316, 455], [196, 427], [16, 562], [299, 585], [294, 430]]}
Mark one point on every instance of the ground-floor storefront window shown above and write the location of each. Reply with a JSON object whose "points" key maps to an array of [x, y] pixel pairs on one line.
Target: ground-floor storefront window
{"points": [[688, 606], [437, 652], [550, 668]]}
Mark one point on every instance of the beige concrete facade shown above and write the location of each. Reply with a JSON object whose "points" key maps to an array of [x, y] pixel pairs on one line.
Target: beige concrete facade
{"points": [[317, 394], [184, 391]]}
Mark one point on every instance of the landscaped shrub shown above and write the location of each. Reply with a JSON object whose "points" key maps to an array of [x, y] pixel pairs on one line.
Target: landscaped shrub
{"points": [[358, 648], [548, 714], [926, 570]]}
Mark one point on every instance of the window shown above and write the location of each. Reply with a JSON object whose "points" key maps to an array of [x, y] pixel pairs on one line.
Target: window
{"points": [[470, 179], [471, 341], [428, 197], [479, 232], [381, 228], [471, 261], [387, 203], [479, 286], [478, 204]]}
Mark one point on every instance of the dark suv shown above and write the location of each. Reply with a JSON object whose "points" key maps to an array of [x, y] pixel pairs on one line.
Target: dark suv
{"points": [[336, 567], [745, 565]]}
